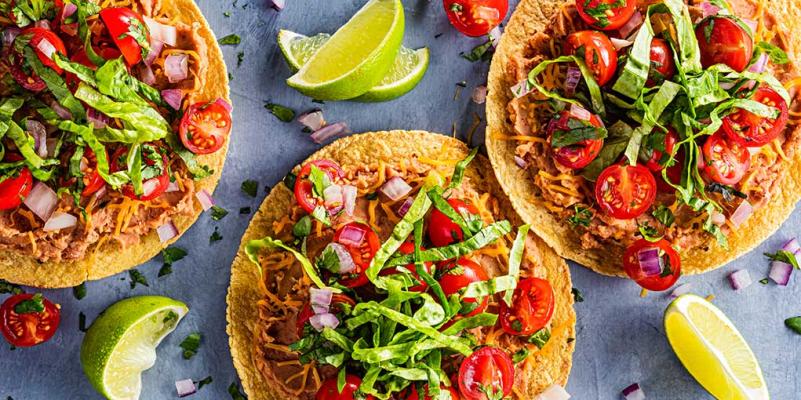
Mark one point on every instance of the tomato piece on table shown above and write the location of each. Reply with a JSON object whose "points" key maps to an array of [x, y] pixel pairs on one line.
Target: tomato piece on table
{"points": [[475, 17], [577, 155], [362, 243], [128, 31], [597, 51], [92, 181], [752, 130], [205, 127], [413, 394], [488, 373], [655, 266], [724, 41], [330, 391], [28, 319], [45, 43], [625, 191], [663, 67], [531, 308], [154, 163], [457, 276], [15, 188], [442, 231], [726, 160], [408, 248], [304, 188], [606, 15]]}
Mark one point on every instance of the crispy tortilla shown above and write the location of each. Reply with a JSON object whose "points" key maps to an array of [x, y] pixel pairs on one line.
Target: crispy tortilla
{"points": [[244, 292], [111, 258], [533, 16]]}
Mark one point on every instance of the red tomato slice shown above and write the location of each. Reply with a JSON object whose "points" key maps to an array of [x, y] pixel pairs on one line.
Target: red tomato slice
{"points": [[456, 276], [598, 52], [39, 41], [606, 15], [27, 79], [663, 67], [475, 17], [362, 244], [205, 127], [654, 161], [531, 309], [414, 396], [723, 41], [28, 329], [727, 161], [92, 180], [14, 189], [487, 369], [442, 231], [125, 26], [670, 260], [581, 154], [153, 187], [304, 193], [624, 191], [752, 130], [408, 248], [330, 391]]}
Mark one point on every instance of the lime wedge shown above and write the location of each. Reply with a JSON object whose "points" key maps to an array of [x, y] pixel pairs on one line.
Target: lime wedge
{"points": [[712, 350], [356, 57], [122, 341], [406, 72]]}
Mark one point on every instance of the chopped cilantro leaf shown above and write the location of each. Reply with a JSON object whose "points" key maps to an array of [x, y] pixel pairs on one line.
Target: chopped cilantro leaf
{"points": [[482, 52], [785, 257], [190, 345], [578, 297], [235, 392], [520, 355], [582, 216], [232, 39], [240, 58], [227, 14], [794, 324], [30, 306], [218, 213], [79, 291], [250, 187], [203, 382], [7, 287], [137, 277], [82, 322], [172, 254], [215, 236], [284, 114], [764, 281], [244, 211]]}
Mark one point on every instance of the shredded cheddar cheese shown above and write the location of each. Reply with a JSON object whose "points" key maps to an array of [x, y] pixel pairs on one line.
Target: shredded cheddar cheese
{"points": [[778, 148], [437, 163], [710, 297], [643, 293], [391, 215], [33, 241], [521, 138], [371, 214]]}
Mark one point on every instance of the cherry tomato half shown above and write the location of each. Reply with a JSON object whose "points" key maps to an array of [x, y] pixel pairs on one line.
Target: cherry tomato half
{"points": [[663, 67], [654, 161], [25, 76], [414, 396], [408, 248], [752, 130], [723, 41], [330, 391], [304, 189], [598, 52], [531, 308], [442, 231], [204, 127], [475, 17], [578, 155], [14, 189], [151, 188], [457, 276], [727, 161], [92, 181], [668, 260], [606, 15], [39, 39], [487, 369], [29, 328], [125, 26], [362, 244], [624, 191]]}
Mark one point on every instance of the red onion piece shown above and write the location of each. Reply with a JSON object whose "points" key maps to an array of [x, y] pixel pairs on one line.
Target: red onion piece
{"points": [[487, 13], [98, 119], [329, 131], [173, 97], [155, 50], [794, 247], [743, 211], [684, 288], [333, 196], [60, 221], [167, 34], [521, 88], [554, 392], [39, 133], [226, 105], [633, 392], [42, 200], [760, 64], [68, 10], [46, 48], [321, 321], [147, 75], [572, 80], [633, 23], [751, 24], [346, 264], [62, 112], [167, 232], [313, 120], [185, 387], [205, 199], [708, 9], [650, 261], [172, 187], [320, 299], [718, 218], [405, 206], [521, 162], [9, 34], [495, 36], [350, 236], [727, 85], [479, 94], [176, 67], [51, 146], [740, 279], [349, 193], [620, 43], [780, 272], [395, 188], [580, 112], [278, 5]]}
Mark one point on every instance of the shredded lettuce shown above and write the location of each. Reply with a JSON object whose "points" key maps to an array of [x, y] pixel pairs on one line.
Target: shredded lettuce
{"points": [[652, 113], [595, 91], [481, 239], [56, 85], [140, 117], [461, 166], [515, 259], [116, 179], [253, 248]]}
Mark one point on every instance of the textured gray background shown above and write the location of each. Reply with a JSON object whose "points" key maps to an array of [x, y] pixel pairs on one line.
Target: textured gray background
{"points": [[620, 336]]}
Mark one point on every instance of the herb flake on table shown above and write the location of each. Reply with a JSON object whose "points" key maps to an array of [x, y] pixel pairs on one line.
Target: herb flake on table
{"points": [[170, 255], [215, 236], [283, 113], [190, 345], [482, 52], [232, 39], [578, 297], [79, 292], [227, 14], [218, 213], [235, 392], [203, 382], [137, 277], [250, 187], [794, 324], [240, 58], [82, 322], [244, 211]]}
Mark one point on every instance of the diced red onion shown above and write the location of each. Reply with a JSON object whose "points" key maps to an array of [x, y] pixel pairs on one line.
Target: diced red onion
{"points": [[395, 188], [100, 193], [740, 279], [727, 85], [321, 321], [155, 50], [278, 5], [792, 246], [60, 221], [149, 186], [42, 23], [741, 213], [718, 218], [172, 187], [173, 97], [684, 288], [46, 48], [633, 23], [620, 43], [147, 75], [480, 94], [333, 196], [313, 120], [346, 264], [751, 23], [185, 387], [633, 392], [760, 64], [495, 35], [521, 88], [167, 34], [554, 392], [650, 261], [98, 119], [780, 272], [9, 34], [580, 112], [351, 236], [405, 206], [42, 200], [349, 193], [51, 146], [708, 9], [320, 299], [62, 112], [176, 67], [329, 131], [167, 232], [521, 162], [226, 105], [205, 199], [37, 130], [68, 10], [572, 79]]}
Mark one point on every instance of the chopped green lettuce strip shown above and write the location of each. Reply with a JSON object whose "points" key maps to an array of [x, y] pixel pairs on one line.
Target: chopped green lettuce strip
{"points": [[253, 247], [481, 239], [86, 133], [652, 113], [461, 166], [142, 118], [595, 91], [515, 259]]}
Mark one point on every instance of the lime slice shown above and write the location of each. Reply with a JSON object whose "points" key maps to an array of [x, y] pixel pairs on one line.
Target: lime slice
{"points": [[356, 57], [406, 72], [712, 350], [122, 342]]}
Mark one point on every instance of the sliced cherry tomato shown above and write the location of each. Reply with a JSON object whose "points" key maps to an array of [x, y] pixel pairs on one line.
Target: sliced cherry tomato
{"points": [[727, 161], [304, 189], [108, 53], [25, 76], [475, 17], [39, 43], [92, 180], [330, 391], [662, 65], [127, 30], [14, 189], [362, 244], [204, 127], [414, 396], [598, 52], [606, 15], [442, 231], [408, 248], [752, 130], [654, 162], [23, 325], [486, 374], [456, 276], [667, 258], [578, 155], [724, 41], [305, 314], [531, 309], [151, 188], [624, 191]]}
